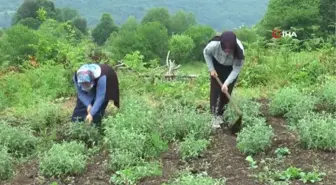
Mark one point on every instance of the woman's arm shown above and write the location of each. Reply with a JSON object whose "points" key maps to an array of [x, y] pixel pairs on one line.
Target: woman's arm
{"points": [[207, 52], [100, 95], [236, 68]]}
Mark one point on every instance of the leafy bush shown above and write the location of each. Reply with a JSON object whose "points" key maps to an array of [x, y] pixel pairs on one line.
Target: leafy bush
{"points": [[250, 108], [45, 115], [284, 99], [178, 121], [26, 89], [123, 158], [82, 132], [64, 159], [17, 43], [317, 131], [329, 93], [187, 178], [18, 140], [181, 47], [300, 109], [6, 166], [132, 175], [191, 147], [255, 138]]}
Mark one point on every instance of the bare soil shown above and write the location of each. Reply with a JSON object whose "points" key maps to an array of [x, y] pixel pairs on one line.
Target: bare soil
{"points": [[222, 159]]}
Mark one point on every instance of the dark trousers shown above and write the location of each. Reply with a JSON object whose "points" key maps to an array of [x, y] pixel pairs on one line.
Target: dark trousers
{"points": [[218, 99], [80, 112]]}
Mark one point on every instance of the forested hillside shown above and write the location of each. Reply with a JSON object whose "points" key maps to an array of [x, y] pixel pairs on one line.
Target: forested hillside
{"points": [[219, 14]]}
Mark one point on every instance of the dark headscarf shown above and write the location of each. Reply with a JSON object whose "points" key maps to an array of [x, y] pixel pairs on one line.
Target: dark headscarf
{"points": [[228, 39]]}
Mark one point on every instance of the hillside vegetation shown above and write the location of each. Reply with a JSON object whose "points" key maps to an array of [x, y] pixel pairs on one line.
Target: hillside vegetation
{"points": [[162, 133], [216, 13]]}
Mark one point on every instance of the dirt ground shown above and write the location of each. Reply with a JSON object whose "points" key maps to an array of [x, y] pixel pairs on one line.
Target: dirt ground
{"points": [[222, 159]]}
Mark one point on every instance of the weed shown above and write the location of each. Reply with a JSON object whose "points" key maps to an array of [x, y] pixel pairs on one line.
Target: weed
{"points": [[317, 131], [19, 140], [280, 152], [64, 159], [255, 138], [186, 178], [252, 162], [191, 147], [133, 174], [6, 165]]}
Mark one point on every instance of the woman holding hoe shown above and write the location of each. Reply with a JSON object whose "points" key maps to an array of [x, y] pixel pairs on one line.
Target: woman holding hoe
{"points": [[224, 56], [96, 84]]}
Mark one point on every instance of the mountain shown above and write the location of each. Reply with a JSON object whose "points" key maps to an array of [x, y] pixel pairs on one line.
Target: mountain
{"points": [[219, 14]]}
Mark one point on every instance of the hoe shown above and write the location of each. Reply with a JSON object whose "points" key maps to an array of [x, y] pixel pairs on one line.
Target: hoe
{"points": [[236, 124]]}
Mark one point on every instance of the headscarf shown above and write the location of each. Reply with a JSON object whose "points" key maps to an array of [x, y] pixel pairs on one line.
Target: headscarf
{"points": [[228, 40], [85, 76]]}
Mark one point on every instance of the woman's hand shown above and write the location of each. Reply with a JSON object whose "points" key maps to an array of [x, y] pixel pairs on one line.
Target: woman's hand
{"points": [[213, 73], [225, 88]]}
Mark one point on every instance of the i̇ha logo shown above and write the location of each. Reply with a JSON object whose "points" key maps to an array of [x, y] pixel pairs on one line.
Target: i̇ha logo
{"points": [[277, 33]]}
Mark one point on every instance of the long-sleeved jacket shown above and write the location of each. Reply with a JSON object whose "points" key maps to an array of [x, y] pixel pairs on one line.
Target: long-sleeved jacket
{"points": [[213, 49]]}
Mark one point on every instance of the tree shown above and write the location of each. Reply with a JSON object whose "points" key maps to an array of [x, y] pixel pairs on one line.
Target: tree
{"points": [[181, 21], [29, 8], [66, 14], [154, 38], [30, 23], [160, 15], [201, 36], [17, 44], [81, 24], [181, 47], [130, 24], [327, 11], [104, 29], [285, 14]]}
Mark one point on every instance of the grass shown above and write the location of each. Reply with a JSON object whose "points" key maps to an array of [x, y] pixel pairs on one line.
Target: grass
{"points": [[156, 114]]}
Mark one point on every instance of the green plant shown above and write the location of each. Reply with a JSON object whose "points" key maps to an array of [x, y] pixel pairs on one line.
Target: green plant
{"points": [[317, 131], [132, 175], [68, 158], [82, 132], [280, 152], [252, 162], [6, 165], [186, 178], [178, 121], [329, 93], [250, 108], [255, 138], [284, 99], [303, 106], [19, 140], [191, 147], [122, 159]]}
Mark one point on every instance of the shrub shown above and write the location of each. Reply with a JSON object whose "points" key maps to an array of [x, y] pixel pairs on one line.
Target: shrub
{"points": [[187, 178], [64, 159], [191, 148], [6, 166], [317, 131], [132, 175], [122, 159], [82, 132], [45, 115], [181, 47], [250, 108], [284, 99], [18, 140], [302, 108], [255, 138], [329, 93]]}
